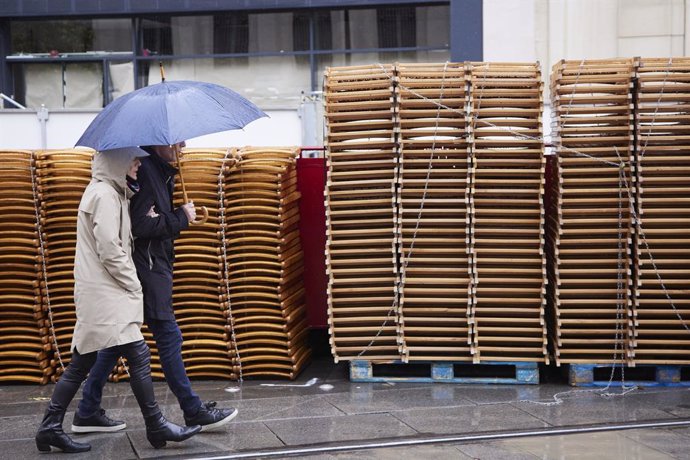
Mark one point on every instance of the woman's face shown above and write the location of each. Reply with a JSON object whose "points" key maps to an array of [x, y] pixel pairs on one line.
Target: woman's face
{"points": [[133, 168]]}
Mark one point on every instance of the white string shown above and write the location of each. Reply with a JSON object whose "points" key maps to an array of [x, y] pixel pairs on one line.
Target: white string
{"points": [[226, 270]]}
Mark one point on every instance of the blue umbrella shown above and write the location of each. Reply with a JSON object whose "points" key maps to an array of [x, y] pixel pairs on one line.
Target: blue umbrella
{"points": [[167, 113]]}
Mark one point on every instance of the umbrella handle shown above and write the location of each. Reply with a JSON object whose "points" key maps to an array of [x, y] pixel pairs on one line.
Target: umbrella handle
{"points": [[203, 219], [204, 211]]}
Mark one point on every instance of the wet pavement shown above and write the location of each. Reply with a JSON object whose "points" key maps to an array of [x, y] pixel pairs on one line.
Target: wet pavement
{"points": [[323, 415]]}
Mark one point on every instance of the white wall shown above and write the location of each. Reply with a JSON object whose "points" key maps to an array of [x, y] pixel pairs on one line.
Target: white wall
{"points": [[21, 129], [550, 30]]}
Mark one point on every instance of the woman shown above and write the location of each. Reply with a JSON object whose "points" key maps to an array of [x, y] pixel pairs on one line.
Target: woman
{"points": [[109, 303]]}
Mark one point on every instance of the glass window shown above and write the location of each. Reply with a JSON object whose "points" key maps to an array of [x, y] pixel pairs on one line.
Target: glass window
{"points": [[71, 36], [384, 27], [271, 82], [60, 85], [231, 33], [222, 33]]}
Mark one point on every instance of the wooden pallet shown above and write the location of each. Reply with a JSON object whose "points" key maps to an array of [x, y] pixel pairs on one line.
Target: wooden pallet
{"points": [[520, 373], [659, 375]]}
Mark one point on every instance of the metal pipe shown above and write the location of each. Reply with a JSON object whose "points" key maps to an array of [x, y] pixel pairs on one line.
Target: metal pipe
{"points": [[445, 439], [12, 101], [43, 115]]}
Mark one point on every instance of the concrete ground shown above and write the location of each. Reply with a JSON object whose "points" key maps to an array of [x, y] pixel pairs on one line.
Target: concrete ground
{"points": [[333, 418]]}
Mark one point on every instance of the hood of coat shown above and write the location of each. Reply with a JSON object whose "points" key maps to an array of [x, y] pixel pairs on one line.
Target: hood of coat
{"points": [[112, 166]]}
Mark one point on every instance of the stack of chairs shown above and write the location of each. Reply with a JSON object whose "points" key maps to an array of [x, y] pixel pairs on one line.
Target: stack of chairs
{"points": [[591, 272], [361, 213], [25, 348], [507, 236], [436, 292], [266, 312], [198, 298], [662, 239], [62, 177]]}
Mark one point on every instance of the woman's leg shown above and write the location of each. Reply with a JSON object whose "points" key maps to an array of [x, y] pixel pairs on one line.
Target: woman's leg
{"points": [[50, 432], [158, 429], [139, 361]]}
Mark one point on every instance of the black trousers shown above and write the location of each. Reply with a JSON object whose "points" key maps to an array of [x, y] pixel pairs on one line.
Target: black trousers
{"points": [[139, 359]]}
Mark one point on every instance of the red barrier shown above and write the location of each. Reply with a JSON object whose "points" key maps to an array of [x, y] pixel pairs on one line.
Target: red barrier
{"points": [[311, 178]]}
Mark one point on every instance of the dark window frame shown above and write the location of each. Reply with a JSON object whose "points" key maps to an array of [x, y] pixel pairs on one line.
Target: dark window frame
{"points": [[312, 16]]}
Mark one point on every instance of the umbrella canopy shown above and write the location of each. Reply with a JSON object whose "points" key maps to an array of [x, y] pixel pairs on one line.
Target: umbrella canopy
{"points": [[167, 113]]}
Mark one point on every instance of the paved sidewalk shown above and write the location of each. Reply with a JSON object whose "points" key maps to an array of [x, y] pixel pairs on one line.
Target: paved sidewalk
{"points": [[332, 411]]}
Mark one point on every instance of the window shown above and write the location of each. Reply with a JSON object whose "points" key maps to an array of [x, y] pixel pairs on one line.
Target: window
{"points": [[271, 57], [397, 27], [73, 36]]}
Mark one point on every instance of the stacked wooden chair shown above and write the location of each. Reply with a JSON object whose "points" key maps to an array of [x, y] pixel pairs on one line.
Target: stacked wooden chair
{"points": [[198, 296], [361, 213], [264, 293], [591, 266], [507, 234], [62, 177], [25, 342], [436, 289], [662, 237]]}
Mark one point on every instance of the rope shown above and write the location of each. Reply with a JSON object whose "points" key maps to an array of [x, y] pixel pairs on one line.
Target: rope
{"points": [[226, 271], [44, 268]]}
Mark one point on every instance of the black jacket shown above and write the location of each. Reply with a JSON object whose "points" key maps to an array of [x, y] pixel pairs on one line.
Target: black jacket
{"points": [[153, 244]]}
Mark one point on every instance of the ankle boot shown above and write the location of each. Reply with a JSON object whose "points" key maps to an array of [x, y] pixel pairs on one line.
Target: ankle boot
{"points": [[159, 431], [50, 434]]}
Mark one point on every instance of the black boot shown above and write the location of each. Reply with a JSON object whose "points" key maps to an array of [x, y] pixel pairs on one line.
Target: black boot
{"points": [[50, 434], [159, 431]]}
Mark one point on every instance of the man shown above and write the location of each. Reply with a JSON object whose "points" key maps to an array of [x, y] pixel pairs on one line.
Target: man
{"points": [[155, 224]]}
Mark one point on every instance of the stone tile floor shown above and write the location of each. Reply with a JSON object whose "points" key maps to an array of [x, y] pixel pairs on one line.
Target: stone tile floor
{"points": [[334, 412]]}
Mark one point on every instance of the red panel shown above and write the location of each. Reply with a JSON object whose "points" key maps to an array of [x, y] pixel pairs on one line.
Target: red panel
{"points": [[311, 177]]}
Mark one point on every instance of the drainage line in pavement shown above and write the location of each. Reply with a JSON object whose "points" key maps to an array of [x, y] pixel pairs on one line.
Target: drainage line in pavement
{"points": [[289, 451]]}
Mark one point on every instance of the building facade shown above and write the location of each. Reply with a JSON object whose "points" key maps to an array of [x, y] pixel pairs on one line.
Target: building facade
{"points": [[81, 54]]}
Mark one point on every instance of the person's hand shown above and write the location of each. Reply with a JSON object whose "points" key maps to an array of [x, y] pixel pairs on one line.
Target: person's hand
{"points": [[189, 211], [152, 213]]}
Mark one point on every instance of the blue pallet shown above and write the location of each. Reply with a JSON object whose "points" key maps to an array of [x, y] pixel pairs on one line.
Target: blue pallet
{"points": [[582, 375], [443, 372]]}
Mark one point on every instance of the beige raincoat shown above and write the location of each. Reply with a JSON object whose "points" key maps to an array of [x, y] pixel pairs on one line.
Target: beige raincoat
{"points": [[107, 292]]}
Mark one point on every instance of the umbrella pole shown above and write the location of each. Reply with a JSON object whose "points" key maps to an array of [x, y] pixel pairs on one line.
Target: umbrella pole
{"points": [[204, 218]]}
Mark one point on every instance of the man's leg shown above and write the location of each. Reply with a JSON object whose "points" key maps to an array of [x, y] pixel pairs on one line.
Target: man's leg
{"points": [[89, 416], [168, 339]]}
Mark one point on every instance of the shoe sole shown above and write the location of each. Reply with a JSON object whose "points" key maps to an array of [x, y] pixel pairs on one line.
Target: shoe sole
{"points": [[98, 429], [221, 422]]}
